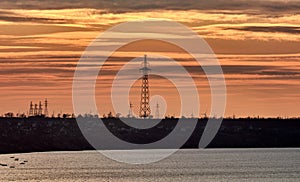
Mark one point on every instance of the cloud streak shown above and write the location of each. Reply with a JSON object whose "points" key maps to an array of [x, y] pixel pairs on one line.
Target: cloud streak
{"points": [[120, 6], [270, 29], [256, 43]]}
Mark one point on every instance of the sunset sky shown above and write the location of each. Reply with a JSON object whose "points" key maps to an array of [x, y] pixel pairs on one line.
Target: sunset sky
{"points": [[257, 43]]}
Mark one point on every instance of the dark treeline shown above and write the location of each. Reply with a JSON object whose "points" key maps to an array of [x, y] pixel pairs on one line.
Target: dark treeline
{"points": [[36, 134]]}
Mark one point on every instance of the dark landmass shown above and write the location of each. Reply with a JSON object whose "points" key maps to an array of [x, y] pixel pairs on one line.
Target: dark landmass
{"points": [[38, 134]]}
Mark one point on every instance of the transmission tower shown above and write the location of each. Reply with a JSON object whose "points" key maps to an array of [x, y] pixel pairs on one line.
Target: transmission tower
{"points": [[144, 104], [35, 110], [40, 111], [46, 108], [31, 109]]}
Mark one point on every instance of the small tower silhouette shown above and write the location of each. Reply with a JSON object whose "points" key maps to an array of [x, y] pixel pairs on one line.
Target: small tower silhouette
{"points": [[31, 109], [157, 111], [144, 104], [40, 110], [46, 108], [130, 114], [35, 110]]}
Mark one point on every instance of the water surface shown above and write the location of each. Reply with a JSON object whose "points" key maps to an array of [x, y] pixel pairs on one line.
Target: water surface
{"points": [[185, 165]]}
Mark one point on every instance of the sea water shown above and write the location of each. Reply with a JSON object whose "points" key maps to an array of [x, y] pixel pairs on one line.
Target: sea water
{"points": [[184, 165]]}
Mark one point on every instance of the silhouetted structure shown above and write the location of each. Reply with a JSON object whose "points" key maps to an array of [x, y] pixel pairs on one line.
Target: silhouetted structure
{"points": [[157, 111], [31, 109], [37, 109], [46, 108], [40, 110], [144, 104], [130, 114]]}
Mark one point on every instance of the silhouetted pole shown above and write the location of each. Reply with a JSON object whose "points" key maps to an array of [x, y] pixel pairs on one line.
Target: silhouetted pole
{"points": [[46, 108], [157, 111], [130, 114]]}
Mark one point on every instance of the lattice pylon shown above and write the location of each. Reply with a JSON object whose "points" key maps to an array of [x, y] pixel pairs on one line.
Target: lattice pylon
{"points": [[144, 105], [145, 110], [46, 108]]}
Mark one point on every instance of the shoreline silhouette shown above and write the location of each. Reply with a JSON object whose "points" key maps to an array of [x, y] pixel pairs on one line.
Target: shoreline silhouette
{"points": [[41, 134]]}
